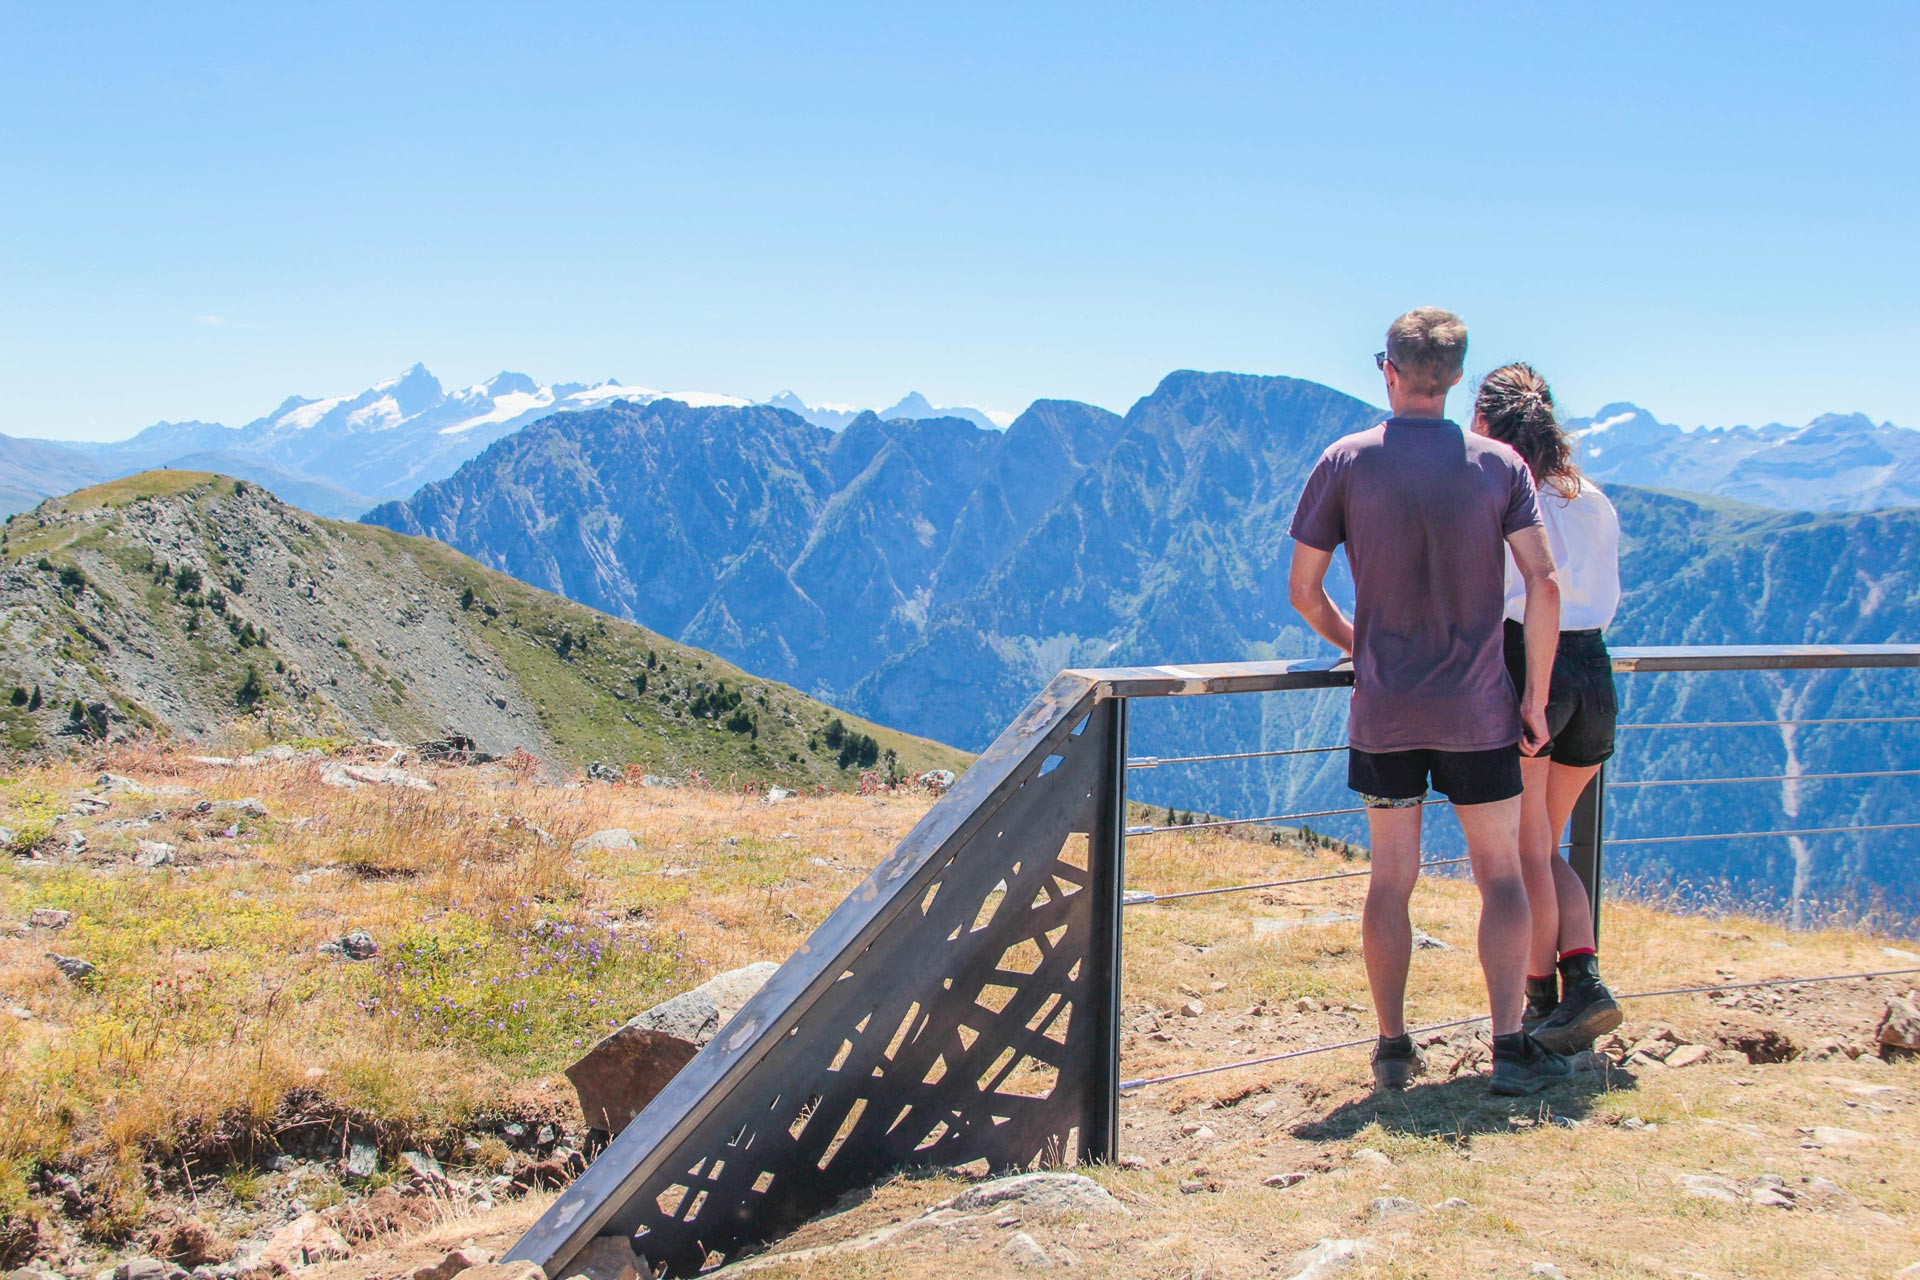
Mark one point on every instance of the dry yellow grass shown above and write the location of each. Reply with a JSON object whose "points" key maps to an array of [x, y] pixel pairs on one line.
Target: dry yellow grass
{"points": [[212, 1007]]}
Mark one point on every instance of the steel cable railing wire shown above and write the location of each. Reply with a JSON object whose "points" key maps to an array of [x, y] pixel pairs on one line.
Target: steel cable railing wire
{"points": [[1141, 898], [1216, 823], [1768, 724], [1129, 1086], [1776, 777], [1611, 841], [1154, 762]]}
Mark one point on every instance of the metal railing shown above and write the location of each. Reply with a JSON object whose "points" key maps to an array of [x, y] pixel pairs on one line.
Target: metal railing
{"points": [[1587, 830]]}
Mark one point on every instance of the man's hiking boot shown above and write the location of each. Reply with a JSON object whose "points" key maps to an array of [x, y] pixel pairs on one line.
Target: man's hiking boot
{"points": [[1543, 994], [1587, 1009], [1396, 1061], [1522, 1066]]}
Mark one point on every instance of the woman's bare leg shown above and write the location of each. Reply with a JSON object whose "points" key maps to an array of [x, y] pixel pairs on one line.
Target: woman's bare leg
{"points": [[1574, 916]]}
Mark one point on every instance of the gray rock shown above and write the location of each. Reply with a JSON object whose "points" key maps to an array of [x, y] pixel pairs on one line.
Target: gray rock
{"points": [[33, 1271], [357, 945], [148, 1269], [612, 840], [604, 1258], [1330, 1258], [426, 1169], [1023, 1251], [776, 794], [658, 780], [620, 1075], [1707, 1186], [601, 771], [152, 853], [1385, 1207], [1283, 1180], [1423, 941], [362, 1160], [49, 918], [1547, 1271], [1039, 1194], [76, 969]]}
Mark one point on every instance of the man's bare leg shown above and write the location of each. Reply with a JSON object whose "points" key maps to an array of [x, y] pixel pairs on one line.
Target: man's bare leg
{"points": [[1385, 929], [1493, 845]]}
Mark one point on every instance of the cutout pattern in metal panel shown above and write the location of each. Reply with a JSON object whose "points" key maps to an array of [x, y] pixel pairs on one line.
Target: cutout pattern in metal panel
{"points": [[962, 1036]]}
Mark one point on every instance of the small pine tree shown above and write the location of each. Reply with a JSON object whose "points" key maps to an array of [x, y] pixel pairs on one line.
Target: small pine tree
{"points": [[251, 689], [33, 702], [651, 659], [18, 697], [566, 643], [77, 712], [640, 683], [466, 597]]}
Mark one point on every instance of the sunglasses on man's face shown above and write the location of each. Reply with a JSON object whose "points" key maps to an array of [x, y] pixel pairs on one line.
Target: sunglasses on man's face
{"points": [[1381, 362]]}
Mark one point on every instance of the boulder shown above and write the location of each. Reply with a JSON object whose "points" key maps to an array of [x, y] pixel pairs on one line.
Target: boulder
{"points": [[1899, 1028], [1039, 1194], [49, 918], [604, 1258], [619, 1076]]}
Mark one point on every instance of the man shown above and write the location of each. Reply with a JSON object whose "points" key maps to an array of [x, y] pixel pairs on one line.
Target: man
{"points": [[1425, 511]]}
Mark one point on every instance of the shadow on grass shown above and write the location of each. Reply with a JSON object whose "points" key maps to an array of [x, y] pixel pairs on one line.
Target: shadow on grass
{"points": [[1461, 1108]]}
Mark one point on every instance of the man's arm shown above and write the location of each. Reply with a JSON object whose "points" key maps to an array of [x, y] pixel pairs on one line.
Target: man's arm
{"points": [[1533, 556], [1307, 589]]}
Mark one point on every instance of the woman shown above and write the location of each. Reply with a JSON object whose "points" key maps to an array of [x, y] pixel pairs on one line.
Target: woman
{"points": [[1568, 1006]]}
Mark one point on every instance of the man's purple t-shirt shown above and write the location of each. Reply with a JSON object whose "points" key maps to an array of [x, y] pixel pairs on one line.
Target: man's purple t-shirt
{"points": [[1424, 509]]}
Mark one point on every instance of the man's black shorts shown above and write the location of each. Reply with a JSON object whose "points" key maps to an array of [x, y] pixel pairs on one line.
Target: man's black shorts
{"points": [[1582, 704], [1398, 779]]}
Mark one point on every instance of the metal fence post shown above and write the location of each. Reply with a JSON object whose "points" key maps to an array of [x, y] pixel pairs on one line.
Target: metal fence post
{"points": [[1099, 1134], [1587, 844]]}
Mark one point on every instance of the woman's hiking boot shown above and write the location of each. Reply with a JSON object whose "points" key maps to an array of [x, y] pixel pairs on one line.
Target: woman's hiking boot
{"points": [[1396, 1061], [1543, 994], [1522, 1065], [1587, 1009]]}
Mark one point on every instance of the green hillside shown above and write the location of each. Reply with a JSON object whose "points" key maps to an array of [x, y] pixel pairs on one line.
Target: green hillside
{"points": [[191, 603]]}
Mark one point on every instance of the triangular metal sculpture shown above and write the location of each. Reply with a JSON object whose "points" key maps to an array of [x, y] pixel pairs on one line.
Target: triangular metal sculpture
{"points": [[957, 1010]]}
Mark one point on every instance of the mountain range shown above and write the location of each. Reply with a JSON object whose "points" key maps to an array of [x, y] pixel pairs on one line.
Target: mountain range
{"points": [[198, 604], [1837, 462], [339, 455], [932, 575]]}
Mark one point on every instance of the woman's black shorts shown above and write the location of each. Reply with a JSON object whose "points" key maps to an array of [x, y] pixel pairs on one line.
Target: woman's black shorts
{"points": [[1582, 705]]}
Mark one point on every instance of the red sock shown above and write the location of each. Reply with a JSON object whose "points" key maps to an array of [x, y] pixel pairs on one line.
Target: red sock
{"points": [[1578, 951], [1539, 977]]}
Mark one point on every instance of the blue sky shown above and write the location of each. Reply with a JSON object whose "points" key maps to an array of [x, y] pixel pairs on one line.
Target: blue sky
{"points": [[1705, 208]]}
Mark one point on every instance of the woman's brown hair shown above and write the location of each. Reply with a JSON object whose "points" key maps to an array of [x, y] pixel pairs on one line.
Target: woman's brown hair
{"points": [[1516, 404]]}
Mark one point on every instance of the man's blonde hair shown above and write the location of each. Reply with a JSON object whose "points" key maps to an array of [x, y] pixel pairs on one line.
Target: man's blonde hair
{"points": [[1428, 346]]}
